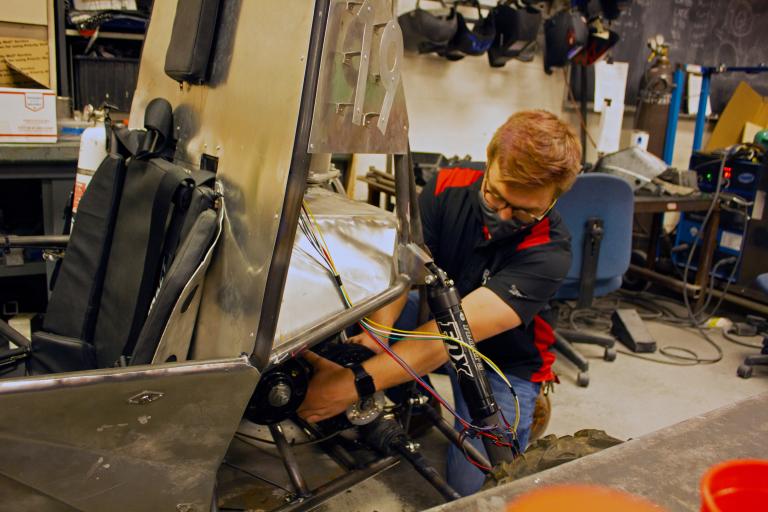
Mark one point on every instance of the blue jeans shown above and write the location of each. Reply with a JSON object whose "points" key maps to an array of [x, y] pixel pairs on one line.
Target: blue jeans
{"points": [[462, 475]]}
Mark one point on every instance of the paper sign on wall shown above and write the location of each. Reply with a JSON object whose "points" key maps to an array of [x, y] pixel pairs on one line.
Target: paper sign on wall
{"points": [[610, 82], [694, 94], [610, 87]]}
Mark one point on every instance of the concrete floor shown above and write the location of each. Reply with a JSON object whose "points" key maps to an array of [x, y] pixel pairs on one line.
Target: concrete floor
{"points": [[627, 398]]}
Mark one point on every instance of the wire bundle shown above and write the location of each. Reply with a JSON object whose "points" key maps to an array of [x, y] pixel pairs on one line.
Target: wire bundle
{"points": [[376, 331]]}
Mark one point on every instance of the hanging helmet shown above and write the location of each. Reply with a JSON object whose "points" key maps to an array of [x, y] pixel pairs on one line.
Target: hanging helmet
{"points": [[474, 41], [598, 43], [421, 27], [516, 31], [565, 34]]}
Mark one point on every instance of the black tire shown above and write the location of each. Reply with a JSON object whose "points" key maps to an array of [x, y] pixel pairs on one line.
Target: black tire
{"points": [[582, 379], [609, 354], [744, 371]]}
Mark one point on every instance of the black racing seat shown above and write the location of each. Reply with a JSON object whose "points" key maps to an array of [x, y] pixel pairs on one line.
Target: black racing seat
{"points": [[143, 230]]}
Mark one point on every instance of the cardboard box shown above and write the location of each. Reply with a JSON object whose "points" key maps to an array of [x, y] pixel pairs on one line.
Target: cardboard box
{"points": [[28, 44], [27, 115], [745, 106], [24, 63]]}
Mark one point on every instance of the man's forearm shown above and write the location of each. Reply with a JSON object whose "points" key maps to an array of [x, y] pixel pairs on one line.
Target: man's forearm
{"points": [[423, 356], [487, 315]]}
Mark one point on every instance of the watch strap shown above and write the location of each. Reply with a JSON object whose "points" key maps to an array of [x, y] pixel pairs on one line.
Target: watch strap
{"points": [[363, 381]]}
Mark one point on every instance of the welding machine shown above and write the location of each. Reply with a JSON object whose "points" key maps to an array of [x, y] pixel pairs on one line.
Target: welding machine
{"points": [[744, 181]]}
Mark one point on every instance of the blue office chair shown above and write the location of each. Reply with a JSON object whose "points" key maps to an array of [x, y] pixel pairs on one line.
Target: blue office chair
{"points": [[598, 212], [745, 369]]}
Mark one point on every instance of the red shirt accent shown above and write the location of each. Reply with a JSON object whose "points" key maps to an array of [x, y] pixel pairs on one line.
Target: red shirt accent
{"points": [[543, 337], [539, 235], [456, 177]]}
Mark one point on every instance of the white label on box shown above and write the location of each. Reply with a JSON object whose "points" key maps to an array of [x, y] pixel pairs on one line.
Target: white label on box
{"points": [[34, 101], [731, 241], [27, 115]]}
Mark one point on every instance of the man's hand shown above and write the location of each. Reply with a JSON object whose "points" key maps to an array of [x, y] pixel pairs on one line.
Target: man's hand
{"points": [[331, 390], [365, 340]]}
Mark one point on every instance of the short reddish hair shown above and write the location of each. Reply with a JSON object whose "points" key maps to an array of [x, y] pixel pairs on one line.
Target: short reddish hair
{"points": [[535, 149]]}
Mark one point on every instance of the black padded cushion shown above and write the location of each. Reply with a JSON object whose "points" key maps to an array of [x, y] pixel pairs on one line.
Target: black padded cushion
{"points": [[189, 51], [52, 353], [151, 204], [73, 306]]}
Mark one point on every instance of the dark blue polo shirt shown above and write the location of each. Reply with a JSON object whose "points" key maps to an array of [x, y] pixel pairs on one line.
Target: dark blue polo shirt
{"points": [[525, 270]]}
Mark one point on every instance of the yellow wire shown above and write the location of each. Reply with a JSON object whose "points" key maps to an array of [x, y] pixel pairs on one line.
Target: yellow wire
{"points": [[438, 336], [434, 336], [322, 238]]}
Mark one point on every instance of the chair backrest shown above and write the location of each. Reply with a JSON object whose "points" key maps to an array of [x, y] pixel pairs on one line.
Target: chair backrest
{"points": [[608, 198]]}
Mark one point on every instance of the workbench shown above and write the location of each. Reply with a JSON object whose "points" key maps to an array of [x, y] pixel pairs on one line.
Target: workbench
{"points": [[698, 289], [664, 467], [658, 206], [54, 166]]}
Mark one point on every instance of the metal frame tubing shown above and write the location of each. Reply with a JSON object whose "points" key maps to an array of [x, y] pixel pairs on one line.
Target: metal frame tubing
{"points": [[672, 117]]}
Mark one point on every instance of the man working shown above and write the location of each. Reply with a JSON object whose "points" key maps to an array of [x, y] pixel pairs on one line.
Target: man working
{"points": [[497, 236]]}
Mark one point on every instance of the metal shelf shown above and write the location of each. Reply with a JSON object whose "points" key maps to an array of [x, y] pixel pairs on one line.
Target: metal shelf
{"points": [[28, 269]]}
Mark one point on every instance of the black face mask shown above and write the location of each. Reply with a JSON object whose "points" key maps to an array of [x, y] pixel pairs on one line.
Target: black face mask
{"points": [[498, 227]]}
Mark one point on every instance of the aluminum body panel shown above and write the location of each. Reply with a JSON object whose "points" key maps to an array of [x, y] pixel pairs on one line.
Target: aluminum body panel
{"points": [[246, 116], [126, 439], [361, 239], [360, 105]]}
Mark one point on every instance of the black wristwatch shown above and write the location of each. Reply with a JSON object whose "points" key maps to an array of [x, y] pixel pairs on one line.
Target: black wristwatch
{"points": [[363, 381]]}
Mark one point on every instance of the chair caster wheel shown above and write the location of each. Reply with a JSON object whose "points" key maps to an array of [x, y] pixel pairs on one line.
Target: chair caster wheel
{"points": [[609, 354], [744, 371], [582, 379]]}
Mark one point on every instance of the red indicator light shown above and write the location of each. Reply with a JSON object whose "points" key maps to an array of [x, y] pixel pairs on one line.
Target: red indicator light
{"points": [[727, 171]]}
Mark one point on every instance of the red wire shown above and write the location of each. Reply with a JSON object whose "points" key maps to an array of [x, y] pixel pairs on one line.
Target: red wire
{"points": [[472, 461]]}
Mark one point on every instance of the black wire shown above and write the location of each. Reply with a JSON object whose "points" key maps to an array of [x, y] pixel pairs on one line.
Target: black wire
{"points": [[727, 334], [677, 356], [686, 300], [718, 190], [257, 477], [313, 241], [735, 265], [655, 360]]}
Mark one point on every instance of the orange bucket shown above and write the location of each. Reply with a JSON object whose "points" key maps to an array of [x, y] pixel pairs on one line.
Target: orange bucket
{"points": [[735, 485], [580, 498]]}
